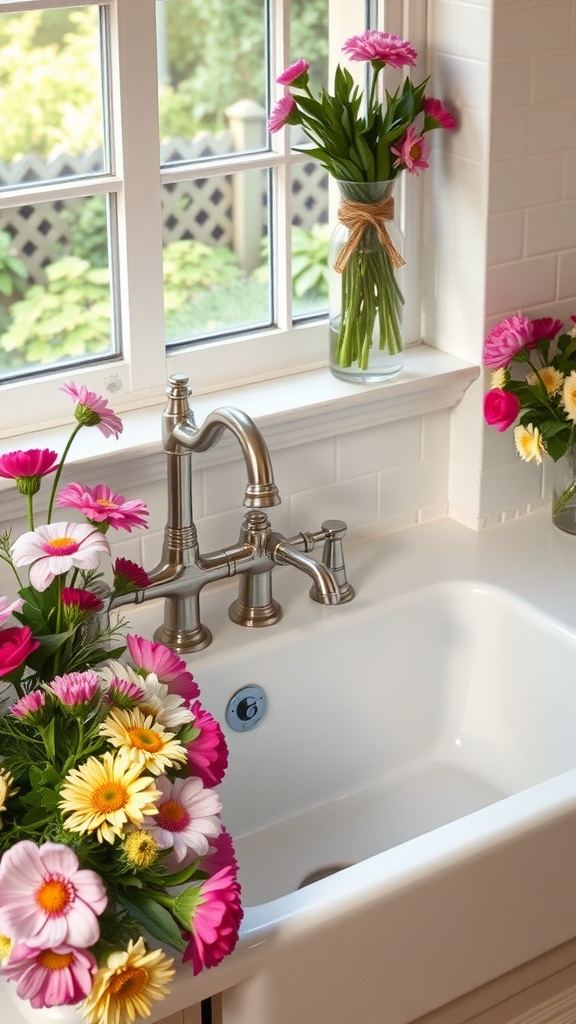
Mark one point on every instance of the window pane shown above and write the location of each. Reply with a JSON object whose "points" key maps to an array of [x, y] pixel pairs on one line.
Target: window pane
{"points": [[51, 115], [310, 236], [55, 304], [211, 56], [215, 255]]}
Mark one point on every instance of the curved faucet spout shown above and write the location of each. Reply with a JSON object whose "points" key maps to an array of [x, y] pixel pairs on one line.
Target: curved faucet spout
{"points": [[261, 491], [326, 587]]}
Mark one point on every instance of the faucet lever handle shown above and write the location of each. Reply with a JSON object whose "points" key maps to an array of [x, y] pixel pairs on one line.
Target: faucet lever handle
{"points": [[332, 531]]}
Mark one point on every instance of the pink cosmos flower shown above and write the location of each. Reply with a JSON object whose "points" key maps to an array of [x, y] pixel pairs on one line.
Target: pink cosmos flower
{"points": [[216, 921], [288, 77], [149, 656], [75, 688], [500, 408], [384, 47], [187, 817], [282, 110], [208, 752], [436, 111], [27, 468], [56, 976], [47, 899], [129, 576], [100, 505], [412, 151], [506, 340], [28, 704], [52, 550], [6, 609], [16, 644], [545, 327], [92, 410]]}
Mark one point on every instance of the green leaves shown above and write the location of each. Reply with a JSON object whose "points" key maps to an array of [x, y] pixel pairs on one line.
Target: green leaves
{"points": [[155, 918]]}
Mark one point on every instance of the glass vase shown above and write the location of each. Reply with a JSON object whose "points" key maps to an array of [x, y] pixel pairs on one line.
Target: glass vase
{"points": [[564, 491], [366, 301]]}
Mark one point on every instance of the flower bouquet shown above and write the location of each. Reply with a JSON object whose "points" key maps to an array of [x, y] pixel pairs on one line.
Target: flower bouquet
{"points": [[364, 144], [110, 830], [534, 382]]}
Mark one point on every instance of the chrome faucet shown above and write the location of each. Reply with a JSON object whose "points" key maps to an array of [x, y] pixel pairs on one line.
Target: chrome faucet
{"points": [[183, 571]]}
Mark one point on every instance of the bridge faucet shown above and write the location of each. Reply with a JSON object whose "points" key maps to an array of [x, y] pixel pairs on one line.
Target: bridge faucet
{"points": [[183, 571]]}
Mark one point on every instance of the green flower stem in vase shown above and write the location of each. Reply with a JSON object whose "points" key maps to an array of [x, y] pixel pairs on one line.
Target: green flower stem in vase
{"points": [[564, 491], [365, 297]]}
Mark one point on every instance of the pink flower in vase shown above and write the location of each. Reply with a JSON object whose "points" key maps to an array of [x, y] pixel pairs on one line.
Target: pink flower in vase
{"points": [[412, 151], [56, 976], [100, 505], [93, 411], [384, 47], [52, 550]]}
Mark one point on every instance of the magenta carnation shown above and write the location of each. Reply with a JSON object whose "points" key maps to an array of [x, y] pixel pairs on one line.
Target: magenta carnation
{"points": [[215, 921], [208, 752], [506, 340], [545, 327], [384, 47], [28, 704], [221, 854], [129, 576], [92, 410], [16, 644], [100, 505], [281, 112], [56, 976], [75, 688], [500, 408]]}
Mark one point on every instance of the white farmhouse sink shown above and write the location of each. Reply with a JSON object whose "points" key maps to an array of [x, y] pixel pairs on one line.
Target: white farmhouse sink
{"points": [[385, 724]]}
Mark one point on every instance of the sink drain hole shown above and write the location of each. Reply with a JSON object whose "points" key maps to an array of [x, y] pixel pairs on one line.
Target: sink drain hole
{"points": [[325, 872]]}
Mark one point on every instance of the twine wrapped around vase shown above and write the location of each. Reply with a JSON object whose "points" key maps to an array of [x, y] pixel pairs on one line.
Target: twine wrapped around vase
{"points": [[357, 217]]}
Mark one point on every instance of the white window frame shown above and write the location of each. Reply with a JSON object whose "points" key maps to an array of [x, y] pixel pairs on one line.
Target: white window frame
{"points": [[138, 378]]}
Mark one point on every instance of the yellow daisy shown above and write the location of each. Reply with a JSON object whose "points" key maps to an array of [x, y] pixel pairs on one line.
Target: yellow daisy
{"points": [[569, 396], [140, 848], [6, 789], [106, 794], [149, 744], [551, 378], [6, 945], [499, 378], [529, 443], [125, 988]]}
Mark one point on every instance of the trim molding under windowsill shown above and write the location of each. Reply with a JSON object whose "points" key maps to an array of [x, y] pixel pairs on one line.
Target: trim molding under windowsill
{"points": [[290, 410]]}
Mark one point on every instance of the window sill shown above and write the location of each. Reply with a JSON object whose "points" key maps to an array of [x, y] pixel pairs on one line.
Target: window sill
{"points": [[290, 410]]}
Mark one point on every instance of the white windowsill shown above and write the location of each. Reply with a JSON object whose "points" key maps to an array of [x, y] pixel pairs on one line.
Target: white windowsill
{"points": [[290, 410]]}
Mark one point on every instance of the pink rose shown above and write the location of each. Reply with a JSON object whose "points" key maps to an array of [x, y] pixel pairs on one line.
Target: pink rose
{"points": [[16, 643], [500, 408]]}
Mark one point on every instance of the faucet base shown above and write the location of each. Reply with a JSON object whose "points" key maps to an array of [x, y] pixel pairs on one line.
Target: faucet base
{"points": [[186, 640], [256, 616]]}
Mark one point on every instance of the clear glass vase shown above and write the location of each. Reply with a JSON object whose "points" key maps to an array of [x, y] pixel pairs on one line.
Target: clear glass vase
{"points": [[366, 301], [564, 491]]}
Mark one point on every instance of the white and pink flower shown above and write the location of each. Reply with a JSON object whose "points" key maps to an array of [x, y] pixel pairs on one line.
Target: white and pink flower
{"points": [[54, 549], [188, 817]]}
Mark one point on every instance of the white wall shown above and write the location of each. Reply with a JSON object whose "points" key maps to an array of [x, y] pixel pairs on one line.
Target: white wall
{"points": [[501, 213]]}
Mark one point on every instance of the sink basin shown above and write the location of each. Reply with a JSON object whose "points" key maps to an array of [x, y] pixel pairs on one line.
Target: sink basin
{"points": [[383, 725]]}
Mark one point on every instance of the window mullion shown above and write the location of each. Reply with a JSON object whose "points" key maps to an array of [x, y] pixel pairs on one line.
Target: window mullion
{"points": [[136, 153]]}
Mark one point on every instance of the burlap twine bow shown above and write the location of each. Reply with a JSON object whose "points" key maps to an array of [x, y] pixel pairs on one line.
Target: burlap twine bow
{"points": [[357, 217]]}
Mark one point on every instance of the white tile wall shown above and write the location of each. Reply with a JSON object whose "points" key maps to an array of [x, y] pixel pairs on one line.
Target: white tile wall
{"points": [[513, 62]]}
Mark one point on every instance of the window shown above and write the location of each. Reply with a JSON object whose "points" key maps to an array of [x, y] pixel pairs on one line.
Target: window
{"points": [[148, 223]]}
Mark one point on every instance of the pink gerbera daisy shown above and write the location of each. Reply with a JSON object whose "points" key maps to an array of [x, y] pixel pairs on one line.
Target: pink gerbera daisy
{"points": [[56, 976], [284, 112], [511, 336], [187, 817], [100, 505], [383, 47], [52, 550], [27, 468], [92, 410], [150, 656], [293, 73], [215, 920], [436, 115], [47, 899], [412, 151], [207, 752]]}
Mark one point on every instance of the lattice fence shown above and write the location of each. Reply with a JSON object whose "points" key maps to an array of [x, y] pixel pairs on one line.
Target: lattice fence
{"points": [[203, 210]]}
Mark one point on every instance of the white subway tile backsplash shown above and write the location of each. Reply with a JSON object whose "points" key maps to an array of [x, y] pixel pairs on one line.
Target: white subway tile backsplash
{"points": [[511, 84], [474, 32], [550, 228], [567, 277], [516, 286], [354, 501], [413, 486], [463, 83], [547, 126], [521, 183], [444, 24], [528, 29], [375, 448], [509, 134], [510, 487], [553, 77], [435, 434], [505, 237]]}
